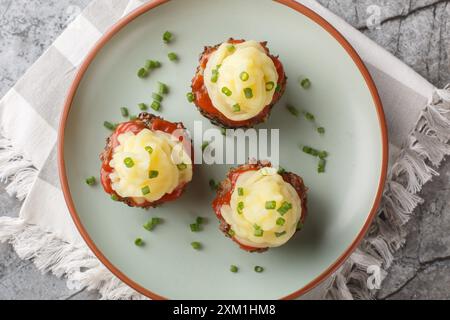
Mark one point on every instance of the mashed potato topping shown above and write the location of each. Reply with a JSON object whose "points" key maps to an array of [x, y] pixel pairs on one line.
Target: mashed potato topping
{"points": [[241, 79], [264, 210], [144, 165]]}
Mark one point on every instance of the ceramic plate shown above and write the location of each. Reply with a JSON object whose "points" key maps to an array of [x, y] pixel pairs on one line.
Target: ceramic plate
{"points": [[342, 201]]}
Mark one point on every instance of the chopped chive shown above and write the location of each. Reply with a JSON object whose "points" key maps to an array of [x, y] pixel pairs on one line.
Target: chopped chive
{"points": [[293, 110], [278, 88], [200, 220], [109, 125], [172, 56], [156, 220], [248, 92], [256, 227], [142, 106], [223, 131], [90, 181], [299, 226], [133, 117], [195, 227], [114, 197], [241, 191], [231, 48], [311, 151], [163, 88], [190, 97], [281, 170], [181, 166], [196, 245], [270, 85], [143, 73], [139, 242], [205, 144], [323, 154], [213, 185], [280, 221], [149, 226], [226, 91], [215, 75], [321, 130], [259, 233], [167, 36], [244, 76], [321, 167], [305, 83], [152, 64], [270, 205], [157, 97], [153, 174], [155, 105], [145, 190], [240, 207], [149, 149], [129, 163], [284, 208], [279, 234], [259, 269], [231, 233], [309, 116], [234, 268], [124, 112], [236, 107]]}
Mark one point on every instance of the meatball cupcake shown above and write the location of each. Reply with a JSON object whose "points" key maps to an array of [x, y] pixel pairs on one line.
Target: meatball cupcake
{"points": [[259, 207], [147, 162], [237, 83]]}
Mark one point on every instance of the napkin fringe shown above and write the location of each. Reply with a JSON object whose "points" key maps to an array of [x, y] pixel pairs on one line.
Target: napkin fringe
{"points": [[50, 254], [426, 148], [15, 169]]}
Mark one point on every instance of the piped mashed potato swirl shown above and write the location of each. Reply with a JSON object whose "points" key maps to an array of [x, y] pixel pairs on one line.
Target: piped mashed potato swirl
{"points": [[152, 172], [255, 225], [240, 67]]}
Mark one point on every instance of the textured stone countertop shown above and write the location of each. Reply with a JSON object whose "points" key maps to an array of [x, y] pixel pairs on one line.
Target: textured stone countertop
{"points": [[416, 31]]}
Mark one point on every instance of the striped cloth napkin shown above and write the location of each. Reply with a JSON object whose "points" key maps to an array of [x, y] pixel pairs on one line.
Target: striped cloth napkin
{"points": [[419, 129]]}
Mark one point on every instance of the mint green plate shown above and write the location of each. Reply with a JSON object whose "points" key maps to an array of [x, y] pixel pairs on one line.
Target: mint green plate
{"points": [[342, 201]]}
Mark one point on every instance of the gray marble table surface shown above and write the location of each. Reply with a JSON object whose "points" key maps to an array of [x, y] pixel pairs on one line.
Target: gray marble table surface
{"points": [[416, 31]]}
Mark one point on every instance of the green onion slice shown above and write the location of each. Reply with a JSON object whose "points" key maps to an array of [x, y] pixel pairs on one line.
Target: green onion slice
{"points": [[226, 91], [190, 97], [248, 92], [244, 76], [270, 85], [240, 207], [90, 181], [145, 190], [181, 166], [292, 110], [124, 112], [284, 208], [156, 105], [196, 245], [167, 36], [157, 97], [270, 205], [153, 174], [129, 163], [280, 221]]}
